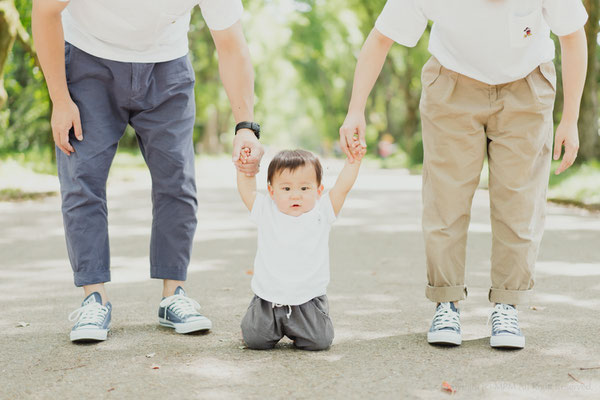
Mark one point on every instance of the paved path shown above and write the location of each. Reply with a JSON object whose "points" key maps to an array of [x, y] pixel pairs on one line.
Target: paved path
{"points": [[376, 296]]}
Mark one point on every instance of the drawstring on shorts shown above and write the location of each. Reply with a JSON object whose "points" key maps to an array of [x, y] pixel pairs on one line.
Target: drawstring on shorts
{"points": [[273, 305]]}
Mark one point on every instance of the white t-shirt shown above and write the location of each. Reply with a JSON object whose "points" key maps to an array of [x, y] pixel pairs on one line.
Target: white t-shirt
{"points": [[292, 258], [141, 30], [493, 41]]}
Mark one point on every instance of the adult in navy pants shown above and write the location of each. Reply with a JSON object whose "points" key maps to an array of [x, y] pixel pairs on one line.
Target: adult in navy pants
{"points": [[112, 63]]}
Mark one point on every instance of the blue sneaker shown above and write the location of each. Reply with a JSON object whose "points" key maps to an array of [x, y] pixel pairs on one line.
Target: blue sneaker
{"points": [[93, 319], [505, 327], [181, 312], [445, 327]]}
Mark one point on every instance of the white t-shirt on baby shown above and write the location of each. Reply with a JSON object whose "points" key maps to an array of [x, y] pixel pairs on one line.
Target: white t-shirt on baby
{"points": [[146, 31], [292, 258], [493, 41]]}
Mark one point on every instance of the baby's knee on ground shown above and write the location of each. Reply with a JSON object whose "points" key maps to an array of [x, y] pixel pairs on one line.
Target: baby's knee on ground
{"points": [[322, 342], [255, 341]]}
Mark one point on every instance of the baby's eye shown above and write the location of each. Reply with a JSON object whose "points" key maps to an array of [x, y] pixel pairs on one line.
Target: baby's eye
{"points": [[287, 189], [304, 188]]}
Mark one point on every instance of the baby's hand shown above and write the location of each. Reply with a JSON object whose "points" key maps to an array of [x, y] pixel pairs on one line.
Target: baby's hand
{"points": [[358, 151], [244, 155]]}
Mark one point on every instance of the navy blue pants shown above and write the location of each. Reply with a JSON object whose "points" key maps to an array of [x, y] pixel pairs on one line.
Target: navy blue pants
{"points": [[157, 100]]}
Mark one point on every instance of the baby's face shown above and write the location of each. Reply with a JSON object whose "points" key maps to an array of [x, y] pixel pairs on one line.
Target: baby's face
{"points": [[295, 192]]}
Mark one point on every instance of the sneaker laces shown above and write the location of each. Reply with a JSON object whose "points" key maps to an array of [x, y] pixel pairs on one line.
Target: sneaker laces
{"points": [[181, 305], [273, 305], [90, 314], [445, 318], [504, 319]]}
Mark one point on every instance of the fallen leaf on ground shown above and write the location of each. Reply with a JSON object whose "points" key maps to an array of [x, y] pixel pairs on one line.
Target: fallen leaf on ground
{"points": [[150, 355], [155, 367], [22, 324], [110, 390], [537, 308], [446, 387], [249, 272]]}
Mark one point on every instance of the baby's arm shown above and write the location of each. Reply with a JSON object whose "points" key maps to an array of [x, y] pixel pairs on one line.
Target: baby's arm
{"points": [[346, 178], [246, 184]]}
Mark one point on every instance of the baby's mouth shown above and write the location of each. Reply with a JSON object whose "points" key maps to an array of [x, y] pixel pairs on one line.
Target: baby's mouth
{"points": [[295, 205]]}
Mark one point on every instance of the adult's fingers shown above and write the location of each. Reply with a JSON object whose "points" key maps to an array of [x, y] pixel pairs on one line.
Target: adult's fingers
{"points": [[237, 148], [568, 158], [60, 146], [58, 134], [361, 135], [558, 141], [77, 127], [64, 140], [249, 170], [345, 143]]}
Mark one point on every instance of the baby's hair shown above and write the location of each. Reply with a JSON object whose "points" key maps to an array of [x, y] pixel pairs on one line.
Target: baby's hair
{"points": [[291, 160]]}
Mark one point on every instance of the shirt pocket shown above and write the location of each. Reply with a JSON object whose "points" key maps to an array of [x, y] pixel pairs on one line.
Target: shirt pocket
{"points": [[523, 29]]}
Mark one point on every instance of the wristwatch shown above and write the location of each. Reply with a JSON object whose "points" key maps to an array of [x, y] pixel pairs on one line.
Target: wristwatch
{"points": [[253, 126]]}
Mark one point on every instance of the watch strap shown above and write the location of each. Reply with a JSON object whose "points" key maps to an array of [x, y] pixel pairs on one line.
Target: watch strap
{"points": [[253, 126]]}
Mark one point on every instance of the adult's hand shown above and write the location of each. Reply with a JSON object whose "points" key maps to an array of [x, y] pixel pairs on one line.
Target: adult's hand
{"points": [[65, 115], [245, 138], [354, 126], [567, 135]]}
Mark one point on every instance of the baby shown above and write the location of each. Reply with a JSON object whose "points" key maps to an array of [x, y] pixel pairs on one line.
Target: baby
{"points": [[291, 268]]}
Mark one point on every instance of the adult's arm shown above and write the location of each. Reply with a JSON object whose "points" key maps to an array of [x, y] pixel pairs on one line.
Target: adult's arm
{"points": [[370, 61], [237, 74], [50, 45], [574, 66]]}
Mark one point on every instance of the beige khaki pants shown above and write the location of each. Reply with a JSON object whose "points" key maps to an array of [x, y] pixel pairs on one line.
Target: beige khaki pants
{"points": [[463, 121]]}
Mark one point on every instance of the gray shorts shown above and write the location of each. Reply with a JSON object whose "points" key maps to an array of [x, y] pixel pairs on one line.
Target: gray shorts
{"points": [[308, 324]]}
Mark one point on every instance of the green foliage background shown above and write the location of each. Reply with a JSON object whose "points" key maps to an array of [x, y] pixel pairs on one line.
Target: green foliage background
{"points": [[304, 53]]}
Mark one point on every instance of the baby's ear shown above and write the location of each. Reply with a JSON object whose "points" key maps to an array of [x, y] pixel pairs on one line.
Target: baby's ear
{"points": [[320, 189], [271, 191]]}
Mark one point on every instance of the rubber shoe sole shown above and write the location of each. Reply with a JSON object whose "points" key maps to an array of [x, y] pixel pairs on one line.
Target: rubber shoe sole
{"points": [[88, 335], [444, 337], [187, 327], [507, 341]]}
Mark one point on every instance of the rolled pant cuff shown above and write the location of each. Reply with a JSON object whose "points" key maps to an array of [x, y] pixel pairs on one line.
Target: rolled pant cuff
{"points": [[510, 296], [444, 294], [91, 279], [173, 273]]}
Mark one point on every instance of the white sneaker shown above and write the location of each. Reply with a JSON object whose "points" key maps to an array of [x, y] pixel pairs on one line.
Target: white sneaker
{"points": [[505, 327], [445, 327], [93, 319], [181, 312]]}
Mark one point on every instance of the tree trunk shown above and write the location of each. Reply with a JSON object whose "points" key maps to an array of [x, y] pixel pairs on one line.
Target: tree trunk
{"points": [[9, 19], [11, 29], [210, 139], [588, 120]]}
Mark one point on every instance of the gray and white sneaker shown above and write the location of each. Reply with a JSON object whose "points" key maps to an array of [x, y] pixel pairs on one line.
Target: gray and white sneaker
{"points": [[181, 312], [445, 327], [505, 327], [93, 319]]}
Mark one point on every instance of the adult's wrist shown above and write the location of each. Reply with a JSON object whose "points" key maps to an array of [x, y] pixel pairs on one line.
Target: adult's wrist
{"points": [[61, 99], [251, 126]]}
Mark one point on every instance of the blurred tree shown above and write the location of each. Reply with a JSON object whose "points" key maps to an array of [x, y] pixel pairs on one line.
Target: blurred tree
{"points": [[25, 119], [11, 29]]}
